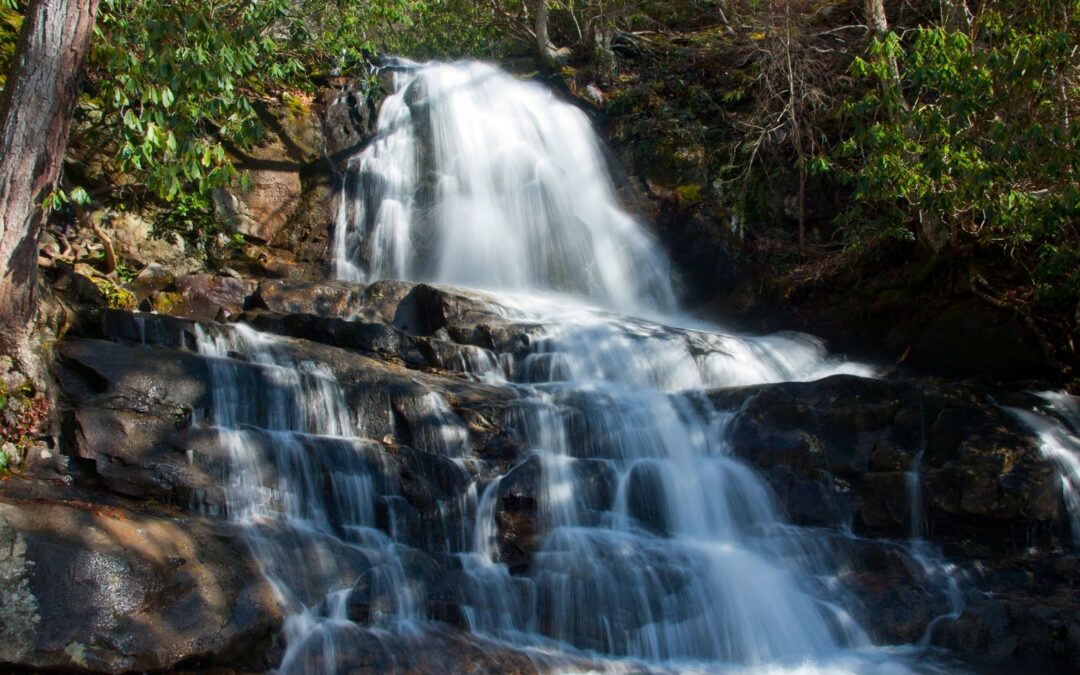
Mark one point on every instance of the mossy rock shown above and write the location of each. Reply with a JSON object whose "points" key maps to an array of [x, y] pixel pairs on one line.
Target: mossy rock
{"points": [[677, 167], [166, 303], [690, 194], [117, 296]]}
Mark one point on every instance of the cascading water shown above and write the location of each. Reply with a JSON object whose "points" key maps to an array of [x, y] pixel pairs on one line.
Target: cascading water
{"points": [[930, 564], [655, 546], [478, 179], [1059, 440], [287, 431]]}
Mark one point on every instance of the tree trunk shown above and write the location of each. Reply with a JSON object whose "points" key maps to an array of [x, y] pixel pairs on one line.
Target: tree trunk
{"points": [[876, 18], [36, 108], [551, 56], [543, 39], [878, 22]]}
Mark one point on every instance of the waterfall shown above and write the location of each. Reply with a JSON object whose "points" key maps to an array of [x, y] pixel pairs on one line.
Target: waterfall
{"points": [[654, 545], [1059, 441], [478, 179], [288, 432]]}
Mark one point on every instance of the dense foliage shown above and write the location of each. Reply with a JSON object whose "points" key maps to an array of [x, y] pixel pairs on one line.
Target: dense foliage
{"points": [[173, 84], [979, 140], [957, 130]]}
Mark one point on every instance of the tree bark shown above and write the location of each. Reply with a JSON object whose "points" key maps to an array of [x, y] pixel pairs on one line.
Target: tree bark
{"points": [[549, 54], [876, 18], [543, 39], [36, 109]]}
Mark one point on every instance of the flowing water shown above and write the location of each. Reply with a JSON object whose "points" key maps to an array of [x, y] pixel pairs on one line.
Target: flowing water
{"points": [[1058, 431], [656, 548]]}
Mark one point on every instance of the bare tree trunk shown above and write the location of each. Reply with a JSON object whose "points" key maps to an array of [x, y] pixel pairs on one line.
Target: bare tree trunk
{"points": [[796, 125], [550, 55], [36, 108], [876, 18], [543, 39], [955, 15]]}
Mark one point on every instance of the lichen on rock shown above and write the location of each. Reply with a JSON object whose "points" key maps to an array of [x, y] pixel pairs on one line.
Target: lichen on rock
{"points": [[19, 615]]}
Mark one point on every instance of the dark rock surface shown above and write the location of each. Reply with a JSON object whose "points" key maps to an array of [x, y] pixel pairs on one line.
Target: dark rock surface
{"points": [[838, 451]]}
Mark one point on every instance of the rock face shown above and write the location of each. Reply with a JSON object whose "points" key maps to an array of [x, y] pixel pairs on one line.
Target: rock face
{"points": [[840, 451], [206, 297], [119, 553], [265, 208], [118, 587], [290, 206], [292, 143]]}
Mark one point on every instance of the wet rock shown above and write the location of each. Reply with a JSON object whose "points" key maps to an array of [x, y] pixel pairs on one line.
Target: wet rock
{"points": [[376, 339], [129, 414], [140, 378], [431, 650], [520, 500], [837, 450], [1018, 629], [100, 587], [157, 330], [517, 513], [352, 113], [646, 500], [152, 454], [897, 607], [450, 314]]}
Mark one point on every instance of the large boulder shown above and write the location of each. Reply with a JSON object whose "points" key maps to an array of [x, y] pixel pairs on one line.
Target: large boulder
{"points": [[324, 299], [292, 143], [87, 585], [265, 208], [845, 449], [1026, 612], [206, 298]]}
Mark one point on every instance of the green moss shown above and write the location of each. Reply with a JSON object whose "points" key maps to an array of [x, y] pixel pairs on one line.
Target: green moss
{"points": [[166, 303], [118, 297], [297, 106], [689, 194], [673, 165]]}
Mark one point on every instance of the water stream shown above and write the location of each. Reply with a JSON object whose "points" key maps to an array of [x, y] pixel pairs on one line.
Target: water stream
{"points": [[656, 548], [1058, 431]]}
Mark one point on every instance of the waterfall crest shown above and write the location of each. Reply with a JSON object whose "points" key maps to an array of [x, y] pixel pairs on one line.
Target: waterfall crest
{"points": [[479, 179]]}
